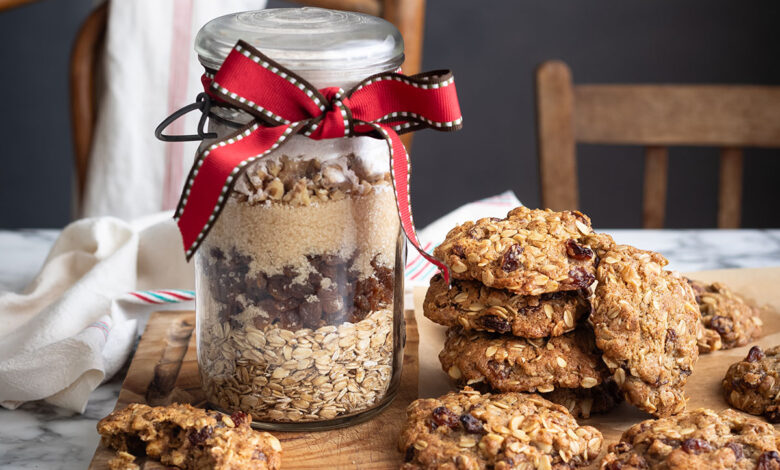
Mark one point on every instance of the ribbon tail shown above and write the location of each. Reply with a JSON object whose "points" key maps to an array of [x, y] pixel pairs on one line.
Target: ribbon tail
{"points": [[400, 169], [214, 173]]}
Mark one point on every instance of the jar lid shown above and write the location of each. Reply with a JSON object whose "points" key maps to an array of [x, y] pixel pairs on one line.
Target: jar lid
{"points": [[306, 40]]}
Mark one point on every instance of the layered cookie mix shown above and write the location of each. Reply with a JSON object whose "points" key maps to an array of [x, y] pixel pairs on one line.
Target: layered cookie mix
{"points": [[753, 385], [190, 438], [469, 430], [297, 285], [530, 252], [511, 364], [646, 323], [699, 439], [474, 306], [728, 320]]}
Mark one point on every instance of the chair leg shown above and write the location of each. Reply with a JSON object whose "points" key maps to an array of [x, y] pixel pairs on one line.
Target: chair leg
{"points": [[730, 188], [654, 194]]}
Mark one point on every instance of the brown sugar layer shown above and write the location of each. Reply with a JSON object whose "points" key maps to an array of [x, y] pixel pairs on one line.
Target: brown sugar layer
{"points": [[278, 235]]}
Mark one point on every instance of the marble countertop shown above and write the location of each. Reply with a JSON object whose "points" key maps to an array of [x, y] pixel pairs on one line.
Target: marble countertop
{"points": [[41, 436]]}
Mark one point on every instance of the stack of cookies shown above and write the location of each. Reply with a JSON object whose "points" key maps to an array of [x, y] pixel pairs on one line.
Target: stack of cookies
{"points": [[524, 316]]}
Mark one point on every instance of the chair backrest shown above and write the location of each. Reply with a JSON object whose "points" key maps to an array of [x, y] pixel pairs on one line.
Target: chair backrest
{"points": [[729, 117], [407, 15]]}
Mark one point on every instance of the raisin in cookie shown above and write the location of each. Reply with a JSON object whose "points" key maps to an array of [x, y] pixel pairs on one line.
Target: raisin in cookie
{"points": [[511, 364], [469, 430], [646, 323], [476, 307], [698, 439], [188, 437], [728, 320], [753, 384], [530, 252]]}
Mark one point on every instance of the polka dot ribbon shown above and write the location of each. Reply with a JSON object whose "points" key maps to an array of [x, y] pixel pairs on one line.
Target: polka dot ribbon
{"points": [[282, 103]]}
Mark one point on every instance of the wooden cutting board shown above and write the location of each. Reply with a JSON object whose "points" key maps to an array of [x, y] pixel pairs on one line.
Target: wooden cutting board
{"points": [[164, 369]]}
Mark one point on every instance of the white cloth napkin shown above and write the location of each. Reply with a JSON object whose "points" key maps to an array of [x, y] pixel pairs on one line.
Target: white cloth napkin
{"points": [[149, 70], [75, 324]]}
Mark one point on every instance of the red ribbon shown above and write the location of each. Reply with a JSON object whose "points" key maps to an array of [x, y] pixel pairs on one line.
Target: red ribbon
{"points": [[383, 105]]}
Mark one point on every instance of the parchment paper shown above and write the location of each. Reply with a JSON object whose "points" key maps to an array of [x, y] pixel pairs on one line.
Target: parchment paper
{"points": [[760, 286]]}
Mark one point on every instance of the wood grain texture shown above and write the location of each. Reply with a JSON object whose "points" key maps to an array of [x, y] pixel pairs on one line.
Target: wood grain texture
{"points": [[710, 115], [654, 191], [164, 369], [730, 188], [83, 100], [8, 4], [655, 116], [556, 145]]}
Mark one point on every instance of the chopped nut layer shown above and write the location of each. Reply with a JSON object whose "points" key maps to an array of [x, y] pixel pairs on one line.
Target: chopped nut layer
{"points": [[699, 439], [530, 252], [511, 364], [753, 384], [189, 438], [646, 322], [476, 307], [468, 430], [727, 320]]}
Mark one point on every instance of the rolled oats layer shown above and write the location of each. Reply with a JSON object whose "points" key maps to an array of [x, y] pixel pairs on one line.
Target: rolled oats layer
{"points": [[304, 375]]}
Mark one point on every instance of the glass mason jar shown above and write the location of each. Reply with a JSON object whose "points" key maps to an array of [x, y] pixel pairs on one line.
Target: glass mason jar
{"points": [[300, 281]]}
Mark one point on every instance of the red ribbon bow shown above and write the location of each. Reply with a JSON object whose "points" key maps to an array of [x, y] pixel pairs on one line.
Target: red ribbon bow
{"points": [[383, 105]]}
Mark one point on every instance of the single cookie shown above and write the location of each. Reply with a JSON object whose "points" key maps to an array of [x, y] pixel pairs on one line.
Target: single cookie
{"points": [[469, 430], [725, 315], [646, 323], [530, 252], [584, 402], [476, 307], [699, 439], [511, 364], [753, 385], [188, 437]]}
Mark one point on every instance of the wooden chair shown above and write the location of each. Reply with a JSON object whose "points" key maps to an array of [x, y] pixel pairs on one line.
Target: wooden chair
{"points": [[655, 116], [407, 15]]}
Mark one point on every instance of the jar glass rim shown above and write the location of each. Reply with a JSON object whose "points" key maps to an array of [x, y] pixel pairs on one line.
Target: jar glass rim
{"points": [[306, 40]]}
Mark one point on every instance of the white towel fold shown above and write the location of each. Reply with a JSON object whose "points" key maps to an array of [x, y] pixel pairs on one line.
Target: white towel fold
{"points": [[74, 325]]}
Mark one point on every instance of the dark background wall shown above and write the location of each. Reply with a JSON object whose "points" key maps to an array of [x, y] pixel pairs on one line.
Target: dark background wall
{"points": [[491, 46]]}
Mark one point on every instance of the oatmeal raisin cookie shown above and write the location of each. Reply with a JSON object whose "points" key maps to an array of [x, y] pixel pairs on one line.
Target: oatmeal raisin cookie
{"points": [[187, 437], [728, 320], [753, 385], [698, 439], [511, 364], [476, 307], [646, 322], [530, 252], [469, 430]]}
